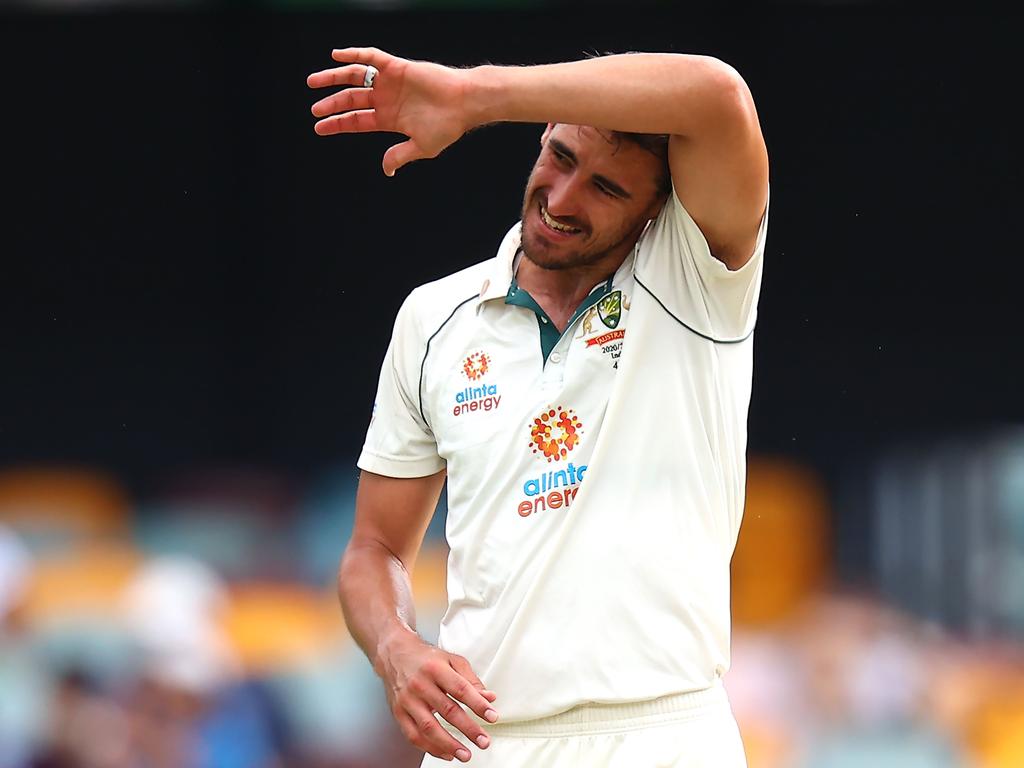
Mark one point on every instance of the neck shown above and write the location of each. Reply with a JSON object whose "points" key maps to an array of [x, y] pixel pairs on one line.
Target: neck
{"points": [[560, 291], [564, 287]]}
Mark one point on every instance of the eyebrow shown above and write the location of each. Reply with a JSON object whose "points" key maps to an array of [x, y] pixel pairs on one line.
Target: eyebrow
{"points": [[603, 180]]}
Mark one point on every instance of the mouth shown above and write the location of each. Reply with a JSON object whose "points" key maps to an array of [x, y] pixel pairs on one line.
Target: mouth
{"points": [[554, 226]]}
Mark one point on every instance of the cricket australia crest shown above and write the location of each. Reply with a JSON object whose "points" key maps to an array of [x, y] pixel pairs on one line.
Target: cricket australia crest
{"points": [[609, 309]]}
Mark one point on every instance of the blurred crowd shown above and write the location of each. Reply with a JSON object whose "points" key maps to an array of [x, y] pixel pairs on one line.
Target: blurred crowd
{"points": [[198, 628]]}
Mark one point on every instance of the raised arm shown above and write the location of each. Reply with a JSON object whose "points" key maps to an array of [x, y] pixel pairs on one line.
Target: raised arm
{"points": [[392, 515], [717, 155]]}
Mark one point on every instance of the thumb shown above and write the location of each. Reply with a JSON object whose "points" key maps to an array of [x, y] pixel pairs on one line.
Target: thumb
{"points": [[401, 154]]}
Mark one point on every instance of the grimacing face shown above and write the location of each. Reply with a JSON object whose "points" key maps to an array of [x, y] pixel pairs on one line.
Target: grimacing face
{"points": [[587, 198]]}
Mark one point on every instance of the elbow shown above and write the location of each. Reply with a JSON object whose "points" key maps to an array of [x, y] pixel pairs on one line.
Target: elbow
{"points": [[351, 561], [712, 98], [730, 103], [365, 551], [734, 93]]}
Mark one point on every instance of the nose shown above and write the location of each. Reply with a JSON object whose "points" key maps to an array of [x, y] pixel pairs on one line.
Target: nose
{"points": [[563, 196]]}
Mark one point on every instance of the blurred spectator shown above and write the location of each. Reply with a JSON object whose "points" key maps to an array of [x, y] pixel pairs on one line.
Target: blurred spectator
{"points": [[87, 729], [190, 708], [15, 569], [173, 611]]}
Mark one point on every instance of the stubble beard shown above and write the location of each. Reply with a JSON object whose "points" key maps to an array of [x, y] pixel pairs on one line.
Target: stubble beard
{"points": [[562, 261], [572, 259]]}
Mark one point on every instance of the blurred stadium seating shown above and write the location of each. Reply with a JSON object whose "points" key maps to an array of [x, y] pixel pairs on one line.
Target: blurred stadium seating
{"points": [[218, 588]]}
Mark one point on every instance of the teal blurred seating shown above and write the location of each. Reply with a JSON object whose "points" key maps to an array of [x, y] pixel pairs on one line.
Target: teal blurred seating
{"points": [[25, 693], [228, 540], [100, 648], [895, 746], [324, 523], [326, 518], [334, 705], [238, 522]]}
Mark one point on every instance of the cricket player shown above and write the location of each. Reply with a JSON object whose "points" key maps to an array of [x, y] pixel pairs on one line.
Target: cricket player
{"points": [[584, 389]]}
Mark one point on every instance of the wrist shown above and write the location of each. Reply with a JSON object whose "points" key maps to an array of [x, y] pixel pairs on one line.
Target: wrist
{"points": [[390, 641], [483, 97]]}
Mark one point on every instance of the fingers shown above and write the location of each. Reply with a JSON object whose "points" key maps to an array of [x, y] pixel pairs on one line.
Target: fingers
{"points": [[344, 101], [359, 121], [463, 685], [455, 715], [374, 56], [462, 666], [424, 732], [440, 688], [401, 154], [350, 75]]}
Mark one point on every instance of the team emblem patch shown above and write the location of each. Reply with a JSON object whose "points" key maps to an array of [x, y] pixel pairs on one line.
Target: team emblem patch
{"points": [[609, 309], [476, 365], [555, 432]]}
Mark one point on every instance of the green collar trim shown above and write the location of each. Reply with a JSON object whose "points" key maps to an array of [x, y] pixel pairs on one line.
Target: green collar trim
{"points": [[549, 334]]}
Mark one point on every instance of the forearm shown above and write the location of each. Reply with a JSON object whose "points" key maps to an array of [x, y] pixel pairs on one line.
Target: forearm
{"points": [[638, 93], [376, 598]]}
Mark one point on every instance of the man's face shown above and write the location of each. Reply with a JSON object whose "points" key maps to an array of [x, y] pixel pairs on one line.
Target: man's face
{"points": [[588, 198]]}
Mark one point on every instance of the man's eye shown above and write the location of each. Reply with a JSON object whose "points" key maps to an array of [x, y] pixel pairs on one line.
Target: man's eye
{"points": [[561, 158], [604, 190]]}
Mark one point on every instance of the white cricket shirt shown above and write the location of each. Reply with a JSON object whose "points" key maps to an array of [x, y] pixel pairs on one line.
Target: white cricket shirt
{"points": [[594, 497]]}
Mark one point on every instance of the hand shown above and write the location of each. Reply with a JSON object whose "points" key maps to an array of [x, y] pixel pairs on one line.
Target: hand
{"points": [[421, 680], [424, 101]]}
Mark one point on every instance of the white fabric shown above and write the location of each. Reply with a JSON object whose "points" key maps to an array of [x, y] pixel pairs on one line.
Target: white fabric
{"points": [[611, 589], [695, 730]]}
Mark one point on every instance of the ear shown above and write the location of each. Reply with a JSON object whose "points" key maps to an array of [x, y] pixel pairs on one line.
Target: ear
{"points": [[547, 132], [655, 208]]}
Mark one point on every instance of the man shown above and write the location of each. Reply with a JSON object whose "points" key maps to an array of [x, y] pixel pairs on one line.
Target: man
{"points": [[586, 394]]}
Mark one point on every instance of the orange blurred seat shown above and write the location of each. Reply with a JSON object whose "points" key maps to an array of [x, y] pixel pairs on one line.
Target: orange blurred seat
{"points": [[430, 574], [50, 507], [765, 746], [782, 555], [994, 731], [81, 582], [272, 627]]}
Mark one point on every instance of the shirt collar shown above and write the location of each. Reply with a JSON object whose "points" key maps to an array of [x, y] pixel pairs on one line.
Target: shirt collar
{"points": [[499, 280]]}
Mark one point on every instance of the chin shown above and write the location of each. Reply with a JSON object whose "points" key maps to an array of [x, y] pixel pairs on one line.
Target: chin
{"points": [[543, 258]]}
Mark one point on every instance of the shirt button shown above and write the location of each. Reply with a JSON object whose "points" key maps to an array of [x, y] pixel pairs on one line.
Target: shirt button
{"points": [[543, 319], [555, 357]]}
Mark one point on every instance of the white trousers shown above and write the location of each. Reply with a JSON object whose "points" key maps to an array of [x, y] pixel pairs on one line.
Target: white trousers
{"points": [[687, 730]]}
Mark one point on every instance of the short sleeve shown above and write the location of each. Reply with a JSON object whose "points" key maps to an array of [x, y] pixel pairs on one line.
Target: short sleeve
{"points": [[398, 441], [675, 264]]}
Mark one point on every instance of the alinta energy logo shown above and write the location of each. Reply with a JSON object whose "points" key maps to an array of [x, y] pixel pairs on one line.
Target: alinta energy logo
{"points": [[555, 432], [484, 397], [476, 365], [553, 436]]}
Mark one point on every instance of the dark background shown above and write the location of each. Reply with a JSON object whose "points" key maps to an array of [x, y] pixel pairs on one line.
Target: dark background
{"points": [[192, 277]]}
